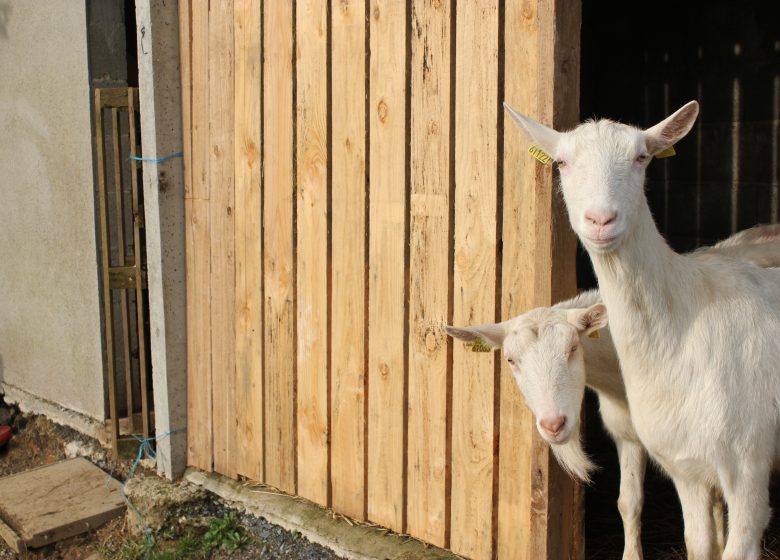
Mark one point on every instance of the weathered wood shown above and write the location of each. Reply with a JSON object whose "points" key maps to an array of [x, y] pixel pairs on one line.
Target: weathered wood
{"points": [[113, 98], [198, 252], [221, 177], [52, 503], [139, 273], [386, 290], [248, 225], [119, 227], [520, 291], [12, 539], [199, 395], [105, 262], [312, 249], [539, 263], [199, 56], [476, 110], [429, 271], [185, 69], [279, 268], [348, 233]]}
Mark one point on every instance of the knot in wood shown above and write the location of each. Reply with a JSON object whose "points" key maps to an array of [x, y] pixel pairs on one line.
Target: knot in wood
{"points": [[381, 110], [384, 370]]}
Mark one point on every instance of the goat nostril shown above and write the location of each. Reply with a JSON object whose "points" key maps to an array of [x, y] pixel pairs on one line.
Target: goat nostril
{"points": [[600, 218], [553, 425]]}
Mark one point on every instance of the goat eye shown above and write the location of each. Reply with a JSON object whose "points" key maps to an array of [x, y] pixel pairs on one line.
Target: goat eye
{"points": [[573, 349], [561, 164], [510, 361], [642, 158]]}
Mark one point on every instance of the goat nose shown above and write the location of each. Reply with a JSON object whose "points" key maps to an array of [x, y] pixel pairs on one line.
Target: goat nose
{"points": [[553, 425], [600, 218]]}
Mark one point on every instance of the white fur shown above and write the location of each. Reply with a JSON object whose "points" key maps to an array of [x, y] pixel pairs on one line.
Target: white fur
{"points": [[698, 336], [596, 367]]}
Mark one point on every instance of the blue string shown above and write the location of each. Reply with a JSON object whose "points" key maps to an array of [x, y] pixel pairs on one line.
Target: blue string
{"points": [[156, 160], [145, 448]]}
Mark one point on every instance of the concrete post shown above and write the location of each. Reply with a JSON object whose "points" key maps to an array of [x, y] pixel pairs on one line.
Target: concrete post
{"points": [[161, 135]]}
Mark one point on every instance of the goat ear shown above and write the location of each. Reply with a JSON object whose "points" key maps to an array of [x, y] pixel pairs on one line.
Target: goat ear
{"points": [[492, 334], [670, 130], [588, 320], [546, 138]]}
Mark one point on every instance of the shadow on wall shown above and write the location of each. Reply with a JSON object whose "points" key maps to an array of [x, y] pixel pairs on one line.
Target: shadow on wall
{"points": [[5, 15]]}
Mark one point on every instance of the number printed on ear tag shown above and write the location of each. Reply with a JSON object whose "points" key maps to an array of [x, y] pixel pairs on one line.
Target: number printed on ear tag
{"points": [[539, 154]]}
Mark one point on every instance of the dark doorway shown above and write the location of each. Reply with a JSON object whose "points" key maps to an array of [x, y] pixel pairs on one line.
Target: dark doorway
{"points": [[640, 63]]}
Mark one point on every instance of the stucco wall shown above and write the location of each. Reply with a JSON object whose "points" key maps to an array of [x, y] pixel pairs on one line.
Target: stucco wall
{"points": [[49, 308]]}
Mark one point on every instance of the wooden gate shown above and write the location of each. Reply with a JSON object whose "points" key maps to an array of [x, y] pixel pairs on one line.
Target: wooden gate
{"points": [[351, 187]]}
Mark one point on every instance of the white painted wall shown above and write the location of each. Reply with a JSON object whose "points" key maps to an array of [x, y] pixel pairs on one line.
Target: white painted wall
{"points": [[49, 308]]}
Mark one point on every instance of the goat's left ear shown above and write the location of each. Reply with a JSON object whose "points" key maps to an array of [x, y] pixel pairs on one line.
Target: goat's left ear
{"points": [[670, 130], [492, 334], [544, 137], [588, 320]]}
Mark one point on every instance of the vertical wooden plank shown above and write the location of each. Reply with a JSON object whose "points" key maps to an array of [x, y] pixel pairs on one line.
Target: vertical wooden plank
{"points": [[132, 109], [348, 258], [105, 262], [249, 310], [185, 66], [279, 397], [198, 255], [474, 275], [124, 308], [429, 274], [221, 177], [387, 215], [199, 396], [520, 290], [312, 249], [561, 38], [538, 514]]}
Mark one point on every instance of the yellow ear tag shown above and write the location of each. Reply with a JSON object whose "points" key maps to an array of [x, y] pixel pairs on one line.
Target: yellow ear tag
{"points": [[539, 154], [594, 334], [668, 152], [479, 345]]}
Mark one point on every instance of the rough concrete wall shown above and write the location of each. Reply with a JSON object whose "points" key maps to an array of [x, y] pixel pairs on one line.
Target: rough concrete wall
{"points": [[49, 308]]}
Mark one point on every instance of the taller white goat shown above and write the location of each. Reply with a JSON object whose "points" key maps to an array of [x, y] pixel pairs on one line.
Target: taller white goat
{"points": [[698, 338]]}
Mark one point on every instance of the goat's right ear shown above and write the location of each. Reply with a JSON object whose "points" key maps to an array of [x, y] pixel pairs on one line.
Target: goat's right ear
{"points": [[670, 130], [544, 137], [492, 334]]}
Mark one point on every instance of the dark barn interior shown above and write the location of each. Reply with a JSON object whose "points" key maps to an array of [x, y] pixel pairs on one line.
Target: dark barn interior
{"points": [[640, 62]]}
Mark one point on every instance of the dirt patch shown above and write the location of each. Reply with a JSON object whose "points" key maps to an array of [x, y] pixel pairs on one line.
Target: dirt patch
{"points": [[200, 528]]}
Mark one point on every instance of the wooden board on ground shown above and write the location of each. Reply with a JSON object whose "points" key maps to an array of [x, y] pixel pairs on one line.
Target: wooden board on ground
{"points": [[52, 503]]}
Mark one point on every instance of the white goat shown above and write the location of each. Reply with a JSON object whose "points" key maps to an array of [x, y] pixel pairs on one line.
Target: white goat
{"points": [[557, 360], [698, 336]]}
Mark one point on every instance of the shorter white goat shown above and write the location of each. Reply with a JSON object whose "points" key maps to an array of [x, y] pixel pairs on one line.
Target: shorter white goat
{"points": [[558, 356]]}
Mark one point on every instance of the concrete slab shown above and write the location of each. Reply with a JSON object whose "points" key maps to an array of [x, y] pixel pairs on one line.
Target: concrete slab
{"points": [[347, 538], [55, 502]]}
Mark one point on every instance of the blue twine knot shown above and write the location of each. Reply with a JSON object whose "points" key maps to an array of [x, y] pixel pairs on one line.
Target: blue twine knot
{"points": [[145, 448]]}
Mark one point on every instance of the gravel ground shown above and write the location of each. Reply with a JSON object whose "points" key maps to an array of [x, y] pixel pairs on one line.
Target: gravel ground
{"points": [[38, 441]]}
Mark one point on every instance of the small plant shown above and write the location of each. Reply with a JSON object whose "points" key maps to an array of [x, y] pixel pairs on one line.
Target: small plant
{"points": [[224, 533]]}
